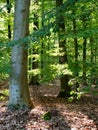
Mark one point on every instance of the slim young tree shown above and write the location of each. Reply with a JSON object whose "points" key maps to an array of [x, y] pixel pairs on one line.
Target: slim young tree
{"points": [[19, 92], [84, 22], [75, 46], [35, 78], [9, 11]]}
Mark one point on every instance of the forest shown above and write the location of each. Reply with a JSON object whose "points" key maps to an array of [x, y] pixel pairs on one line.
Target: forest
{"points": [[48, 65]]}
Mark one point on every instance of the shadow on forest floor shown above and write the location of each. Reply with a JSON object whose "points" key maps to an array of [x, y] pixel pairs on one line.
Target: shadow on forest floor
{"points": [[32, 120], [78, 115]]}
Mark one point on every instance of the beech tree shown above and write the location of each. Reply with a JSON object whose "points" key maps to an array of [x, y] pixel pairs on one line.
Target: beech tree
{"points": [[19, 97]]}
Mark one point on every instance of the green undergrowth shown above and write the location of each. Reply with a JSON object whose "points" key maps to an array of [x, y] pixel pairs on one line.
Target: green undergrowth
{"points": [[4, 94], [46, 115]]}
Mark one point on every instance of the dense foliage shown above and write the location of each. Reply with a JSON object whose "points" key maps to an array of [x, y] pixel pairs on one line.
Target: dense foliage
{"points": [[81, 34]]}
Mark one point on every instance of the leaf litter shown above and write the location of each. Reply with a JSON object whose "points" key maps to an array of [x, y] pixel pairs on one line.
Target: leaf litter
{"points": [[78, 115]]}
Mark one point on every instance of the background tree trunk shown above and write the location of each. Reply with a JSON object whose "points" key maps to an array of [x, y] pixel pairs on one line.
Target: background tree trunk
{"points": [[9, 11], [76, 48], [19, 97], [65, 89], [84, 21], [35, 78]]}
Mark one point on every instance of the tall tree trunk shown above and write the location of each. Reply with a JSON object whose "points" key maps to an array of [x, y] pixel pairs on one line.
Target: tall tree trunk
{"points": [[19, 97], [92, 59], [84, 21], [35, 79], [84, 60], [9, 11], [42, 42], [76, 49], [92, 53], [91, 44], [85, 18], [65, 88]]}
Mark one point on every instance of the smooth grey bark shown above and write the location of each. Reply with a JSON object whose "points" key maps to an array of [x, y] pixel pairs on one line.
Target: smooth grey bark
{"points": [[19, 97]]}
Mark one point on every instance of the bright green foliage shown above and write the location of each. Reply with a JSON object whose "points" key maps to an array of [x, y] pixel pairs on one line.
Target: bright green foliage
{"points": [[47, 35], [4, 94], [5, 19], [45, 40], [75, 95]]}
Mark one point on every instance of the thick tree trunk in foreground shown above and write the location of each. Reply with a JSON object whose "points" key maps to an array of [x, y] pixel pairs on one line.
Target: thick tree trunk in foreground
{"points": [[19, 97]]}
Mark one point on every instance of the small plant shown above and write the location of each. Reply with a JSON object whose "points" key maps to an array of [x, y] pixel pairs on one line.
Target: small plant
{"points": [[4, 94], [2, 98], [75, 95], [47, 116]]}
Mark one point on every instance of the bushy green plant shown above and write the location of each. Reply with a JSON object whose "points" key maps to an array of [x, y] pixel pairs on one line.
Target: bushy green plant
{"points": [[4, 94], [75, 95]]}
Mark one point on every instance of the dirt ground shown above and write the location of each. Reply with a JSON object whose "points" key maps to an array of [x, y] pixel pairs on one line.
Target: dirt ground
{"points": [[78, 115]]}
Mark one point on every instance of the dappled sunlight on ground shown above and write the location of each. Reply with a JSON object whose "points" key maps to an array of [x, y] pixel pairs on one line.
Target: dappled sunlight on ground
{"points": [[63, 117], [78, 115]]}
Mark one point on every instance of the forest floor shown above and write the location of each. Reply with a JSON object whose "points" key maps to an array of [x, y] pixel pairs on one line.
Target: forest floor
{"points": [[77, 115]]}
